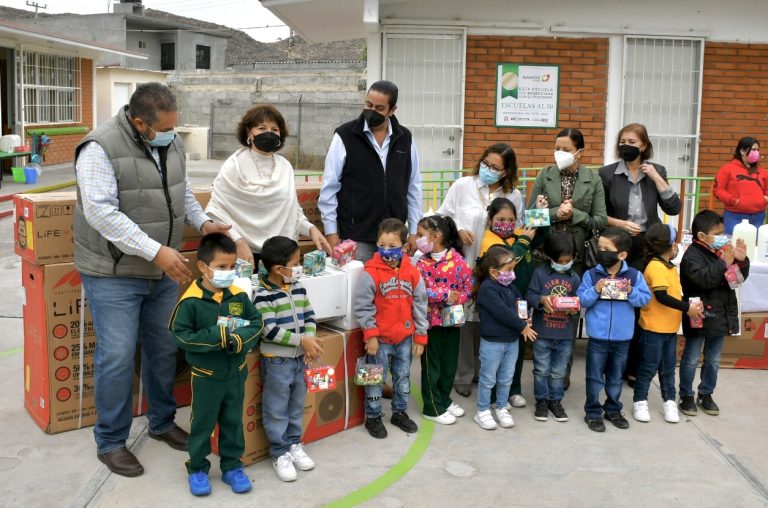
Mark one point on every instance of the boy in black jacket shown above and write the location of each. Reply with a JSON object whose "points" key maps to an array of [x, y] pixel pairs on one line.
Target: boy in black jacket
{"points": [[702, 274]]}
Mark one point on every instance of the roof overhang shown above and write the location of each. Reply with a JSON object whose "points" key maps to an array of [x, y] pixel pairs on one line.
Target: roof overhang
{"points": [[327, 20]]}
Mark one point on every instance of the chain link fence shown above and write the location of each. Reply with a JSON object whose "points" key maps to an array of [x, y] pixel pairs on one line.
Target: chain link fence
{"points": [[310, 128]]}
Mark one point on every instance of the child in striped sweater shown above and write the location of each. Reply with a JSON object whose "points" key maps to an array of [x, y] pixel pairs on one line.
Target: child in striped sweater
{"points": [[288, 339]]}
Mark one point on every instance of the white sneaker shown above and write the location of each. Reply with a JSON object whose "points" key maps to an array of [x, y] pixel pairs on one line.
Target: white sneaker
{"points": [[505, 419], [517, 401], [283, 466], [444, 419], [670, 412], [456, 410], [640, 411], [485, 420], [300, 458]]}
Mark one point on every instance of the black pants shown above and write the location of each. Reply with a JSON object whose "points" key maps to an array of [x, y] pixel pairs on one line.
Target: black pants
{"points": [[636, 260]]}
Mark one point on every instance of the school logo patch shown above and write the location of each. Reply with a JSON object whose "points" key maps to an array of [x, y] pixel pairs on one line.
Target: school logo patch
{"points": [[235, 309]]}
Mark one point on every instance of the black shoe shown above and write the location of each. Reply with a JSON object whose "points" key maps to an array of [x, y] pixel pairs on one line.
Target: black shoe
{"points": [[688, 406], [401, 420], [618, 420], [463, 390], [595, 424], [375, 427], [557, 411], [708, 405], [542, 411]]}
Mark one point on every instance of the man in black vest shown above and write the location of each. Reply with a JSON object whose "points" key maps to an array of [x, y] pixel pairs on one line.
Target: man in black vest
{"points": [[371, 174]]}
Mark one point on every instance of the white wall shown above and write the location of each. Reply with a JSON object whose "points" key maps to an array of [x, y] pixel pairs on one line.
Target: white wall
{"points": [[106, 77]]}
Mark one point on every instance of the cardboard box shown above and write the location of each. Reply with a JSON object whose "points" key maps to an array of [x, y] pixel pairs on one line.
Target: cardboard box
{"points": [[747, 351], [190, 240], [51, 307], [308, 193], [42, 232]]}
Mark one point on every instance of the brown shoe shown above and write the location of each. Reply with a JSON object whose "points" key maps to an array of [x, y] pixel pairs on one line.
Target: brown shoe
{"points": [[122, 462], [177, 438]]}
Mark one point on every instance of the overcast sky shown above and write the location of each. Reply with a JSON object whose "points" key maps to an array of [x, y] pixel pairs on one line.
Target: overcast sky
{"points": [[239, 14]]}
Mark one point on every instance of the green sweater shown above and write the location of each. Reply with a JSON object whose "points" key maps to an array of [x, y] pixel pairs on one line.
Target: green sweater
{"points": [[194, 324]]}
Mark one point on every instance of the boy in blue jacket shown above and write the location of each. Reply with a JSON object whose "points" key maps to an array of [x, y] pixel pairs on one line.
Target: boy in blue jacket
{"points": [[610, 292]]}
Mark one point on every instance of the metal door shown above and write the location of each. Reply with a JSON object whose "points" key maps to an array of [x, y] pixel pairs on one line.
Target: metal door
{"points": [[427, 65]]}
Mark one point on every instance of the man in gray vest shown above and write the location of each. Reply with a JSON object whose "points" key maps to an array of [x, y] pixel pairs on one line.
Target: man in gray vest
{"points": [[133, 199]]}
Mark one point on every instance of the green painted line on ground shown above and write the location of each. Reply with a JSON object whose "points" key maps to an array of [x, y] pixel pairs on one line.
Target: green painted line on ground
{"points": [[12, 351], [406, 463]]}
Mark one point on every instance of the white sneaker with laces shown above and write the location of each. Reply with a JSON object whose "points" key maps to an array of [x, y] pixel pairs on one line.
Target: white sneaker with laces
{"points": [[505, 419], [517, 401], [485, 420], [444, 419], [640, 411], [670, 412], [300, 458], [283, 466], [456, 410]]}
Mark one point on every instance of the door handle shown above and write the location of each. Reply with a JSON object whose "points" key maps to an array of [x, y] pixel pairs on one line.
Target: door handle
{"points": [[449, 151], [684, 157]]}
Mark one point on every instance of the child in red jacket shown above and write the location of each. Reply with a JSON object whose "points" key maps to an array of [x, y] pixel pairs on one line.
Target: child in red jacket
{"points": [[391, 306]]}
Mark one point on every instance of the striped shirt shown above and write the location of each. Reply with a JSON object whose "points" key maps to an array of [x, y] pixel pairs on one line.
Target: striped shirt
{"points": [[287, 316], [101, 204]]}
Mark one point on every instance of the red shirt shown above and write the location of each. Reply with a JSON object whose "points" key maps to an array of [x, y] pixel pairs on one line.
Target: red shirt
{"points": [[740, 190]]}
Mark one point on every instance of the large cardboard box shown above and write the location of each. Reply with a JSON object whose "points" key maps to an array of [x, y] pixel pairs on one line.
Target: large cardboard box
{"points": [[191, 238], [746, 351], [308, 194], [42, 232], [325, 413]]}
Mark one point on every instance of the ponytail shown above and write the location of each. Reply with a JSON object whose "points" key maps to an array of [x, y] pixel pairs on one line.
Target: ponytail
{"points": [[447, 228]]}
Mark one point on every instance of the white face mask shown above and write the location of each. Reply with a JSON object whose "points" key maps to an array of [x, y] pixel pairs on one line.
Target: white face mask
{"points": [[564, 160], [296, 273]]}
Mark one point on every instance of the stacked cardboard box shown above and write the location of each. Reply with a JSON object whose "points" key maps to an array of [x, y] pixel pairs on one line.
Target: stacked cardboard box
{"points": [[746, 351]]}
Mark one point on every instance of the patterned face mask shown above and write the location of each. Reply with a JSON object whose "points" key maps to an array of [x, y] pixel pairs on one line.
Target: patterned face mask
{"points": [[503, 229]]}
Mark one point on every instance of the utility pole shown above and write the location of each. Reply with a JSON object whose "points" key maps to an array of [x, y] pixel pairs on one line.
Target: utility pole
{"points": [[36, 6]]}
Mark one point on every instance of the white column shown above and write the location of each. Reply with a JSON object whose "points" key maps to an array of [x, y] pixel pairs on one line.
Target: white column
{"points": [[614, 97]]}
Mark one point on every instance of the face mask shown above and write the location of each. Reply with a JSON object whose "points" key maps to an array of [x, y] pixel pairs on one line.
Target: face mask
{"points": [[373, 117], [629, 152], [503, 229], [267, 142], [161, 138], [562, 268], [390, 255], [506, 278], [719, 241], [222, 278], [564, 160], [607, 258], [487, 175], [296, 273], [424, 245], [753, 157]]}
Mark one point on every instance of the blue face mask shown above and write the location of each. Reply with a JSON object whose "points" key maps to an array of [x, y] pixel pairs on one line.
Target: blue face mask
{"points": [[389, 255], [161, 138], [487, 175], [222, 278], [719, 241], [561, 268]]}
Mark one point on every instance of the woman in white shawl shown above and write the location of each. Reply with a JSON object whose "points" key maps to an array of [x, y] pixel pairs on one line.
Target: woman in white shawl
{"points": [[255, 189]]}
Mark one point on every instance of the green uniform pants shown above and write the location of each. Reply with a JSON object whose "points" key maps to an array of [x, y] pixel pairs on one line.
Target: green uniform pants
{"points": [[438, 368], [216, 401]]}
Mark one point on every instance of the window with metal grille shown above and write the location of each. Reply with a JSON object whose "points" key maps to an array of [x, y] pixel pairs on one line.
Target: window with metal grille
{"points": [[52, 92], [203, 57]]}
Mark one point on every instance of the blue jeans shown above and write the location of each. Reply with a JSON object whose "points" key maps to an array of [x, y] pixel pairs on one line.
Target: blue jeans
{"points": [[397, 359], [605, 363], [128, 311], [730, 219], [497, 368], [550, 362], [658, 351], [282, 401], [713, 346]]}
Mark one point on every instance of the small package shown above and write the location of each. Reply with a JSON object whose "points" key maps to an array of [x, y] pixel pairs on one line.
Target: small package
{"points": [[243, 268], [320, 379], [536, 218], [314, 262], [344, 252], [565, 303], [522, 310], [733, 276], [368, 374], [453, 315], [231, 322], [615, 289]]}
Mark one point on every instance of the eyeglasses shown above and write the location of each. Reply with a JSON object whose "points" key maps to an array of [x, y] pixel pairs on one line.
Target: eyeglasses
{"points": [[493, 167]]}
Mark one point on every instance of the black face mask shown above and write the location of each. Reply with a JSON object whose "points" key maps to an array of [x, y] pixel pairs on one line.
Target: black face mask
{"points": [[607, 258], [267, 142], [373, 117], [629, 152]]}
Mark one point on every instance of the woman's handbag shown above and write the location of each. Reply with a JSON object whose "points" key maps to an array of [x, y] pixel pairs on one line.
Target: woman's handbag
{"points": [[590, 246]]}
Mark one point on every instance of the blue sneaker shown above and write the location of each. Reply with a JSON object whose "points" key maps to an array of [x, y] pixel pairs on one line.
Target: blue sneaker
{"points": [[237, 479], [198, 484]]}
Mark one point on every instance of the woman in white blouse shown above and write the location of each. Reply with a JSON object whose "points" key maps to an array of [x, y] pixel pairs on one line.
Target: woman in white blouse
{"points": [[494, 176], [255, 189]]}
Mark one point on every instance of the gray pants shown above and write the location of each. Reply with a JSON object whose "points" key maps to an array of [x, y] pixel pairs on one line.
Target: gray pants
{"points": [[469, 349], [365, 251]]}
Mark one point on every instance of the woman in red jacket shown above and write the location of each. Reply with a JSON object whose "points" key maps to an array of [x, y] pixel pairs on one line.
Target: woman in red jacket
{"points": [[742, 185]]}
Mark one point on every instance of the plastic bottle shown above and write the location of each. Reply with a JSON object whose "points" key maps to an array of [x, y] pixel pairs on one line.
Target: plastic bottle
{"points": [[748, 233], [762, 244]]}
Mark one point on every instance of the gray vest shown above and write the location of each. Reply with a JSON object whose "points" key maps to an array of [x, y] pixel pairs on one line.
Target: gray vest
{"points": [[157, 207]]}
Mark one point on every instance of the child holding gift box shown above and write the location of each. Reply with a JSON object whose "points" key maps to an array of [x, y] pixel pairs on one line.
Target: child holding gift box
{"points": [[288, 340], [556, 328], [391, 306], [216, 325], [448, 282]]}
